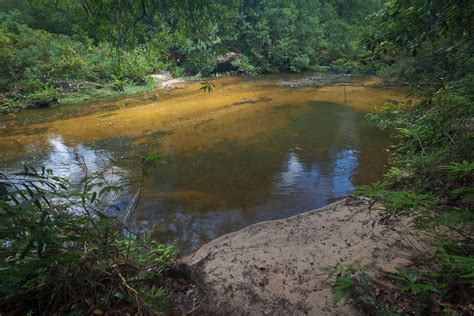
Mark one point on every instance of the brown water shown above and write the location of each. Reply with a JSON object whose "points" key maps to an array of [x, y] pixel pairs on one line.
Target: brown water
{"points": [[255, 149]]}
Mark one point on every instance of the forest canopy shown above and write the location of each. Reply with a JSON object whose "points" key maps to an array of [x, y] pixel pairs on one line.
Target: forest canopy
{"points": [[46, 46], [272, 35]]}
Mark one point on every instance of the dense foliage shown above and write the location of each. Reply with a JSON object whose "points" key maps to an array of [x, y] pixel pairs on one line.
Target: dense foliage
{"points": [[48, 48], [57, 247], [62, 252], [430, 45]]}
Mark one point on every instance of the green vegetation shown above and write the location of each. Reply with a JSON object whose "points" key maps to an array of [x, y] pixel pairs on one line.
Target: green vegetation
{"points": [[38, 67], [65, 51], [429, 44], [65, 253], [62, 251]]}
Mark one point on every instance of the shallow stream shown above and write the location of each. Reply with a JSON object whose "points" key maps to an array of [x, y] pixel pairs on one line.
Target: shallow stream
{"points": [[254, 149]]}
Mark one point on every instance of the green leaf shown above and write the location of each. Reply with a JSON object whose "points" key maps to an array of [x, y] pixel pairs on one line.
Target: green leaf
{"points": [[93, 197], [376, 189]]}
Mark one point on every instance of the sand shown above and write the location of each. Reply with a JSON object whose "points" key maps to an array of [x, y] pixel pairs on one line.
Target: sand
{"points": [[280, 267]]}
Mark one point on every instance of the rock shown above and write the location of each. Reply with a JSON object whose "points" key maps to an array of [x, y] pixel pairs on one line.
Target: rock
{"points": [[171, 84], [224, 62], [162, 76], [228, 58]]}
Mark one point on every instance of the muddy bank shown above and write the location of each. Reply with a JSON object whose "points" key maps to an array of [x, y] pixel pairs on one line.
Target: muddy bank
{"points": [[278, 267]]}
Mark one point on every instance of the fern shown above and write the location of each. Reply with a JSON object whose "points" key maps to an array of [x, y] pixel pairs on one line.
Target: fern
{"points": [[405, 202], [207, 86], [396, 174], [409, 282], [459, 168], [462, 191], [343, 286], [376, 189]]}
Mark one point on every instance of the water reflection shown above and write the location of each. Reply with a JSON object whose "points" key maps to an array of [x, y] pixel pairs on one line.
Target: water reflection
{"points": [[311, 161], [248, 153], [192, 217], [300, 178], [74, 162], [345, 163], [71, 162]]}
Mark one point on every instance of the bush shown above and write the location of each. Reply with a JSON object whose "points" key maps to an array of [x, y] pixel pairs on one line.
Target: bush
{"points": [[432, 164], [200, 60], [44, 97], [243, 65], [344, 65], [61, 254], [35, 66], [299, 63]]}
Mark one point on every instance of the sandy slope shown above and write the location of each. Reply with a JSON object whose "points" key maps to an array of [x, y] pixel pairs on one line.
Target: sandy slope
{"points": [[278, 267]]}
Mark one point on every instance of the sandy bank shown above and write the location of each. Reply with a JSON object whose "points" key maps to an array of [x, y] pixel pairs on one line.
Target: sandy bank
{"points": [[278, 267]]}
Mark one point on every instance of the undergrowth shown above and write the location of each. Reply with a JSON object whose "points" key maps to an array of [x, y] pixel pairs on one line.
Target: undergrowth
{"points": [[431, 182], [61, 252]]}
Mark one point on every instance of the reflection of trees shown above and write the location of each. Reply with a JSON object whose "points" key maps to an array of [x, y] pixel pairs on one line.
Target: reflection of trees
{"points": [[74, 163], [243, 172], [300, 166]]}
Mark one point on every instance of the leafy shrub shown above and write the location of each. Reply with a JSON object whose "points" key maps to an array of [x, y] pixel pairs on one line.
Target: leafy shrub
{"points": [[409, 282], [200, 60], [243, 65], [343, 286], [299, 63], [431, 162], [36, 66], [177, 71], [351, 283], [60, 253], [397, 202], [44, 97], [346, 65]]}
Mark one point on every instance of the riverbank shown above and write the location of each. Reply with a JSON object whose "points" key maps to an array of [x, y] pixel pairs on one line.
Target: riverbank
{"points": [[84, 93], [87, 93], [281, 267]]}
